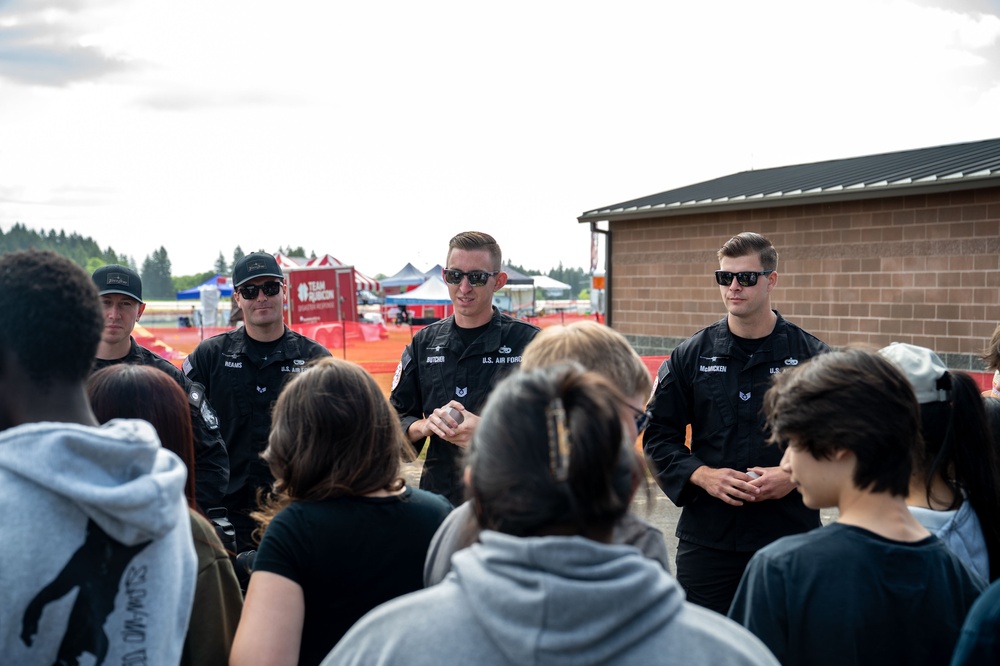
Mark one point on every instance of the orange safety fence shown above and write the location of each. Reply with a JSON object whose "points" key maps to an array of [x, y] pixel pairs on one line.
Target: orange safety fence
{"points": [[375, 347]]}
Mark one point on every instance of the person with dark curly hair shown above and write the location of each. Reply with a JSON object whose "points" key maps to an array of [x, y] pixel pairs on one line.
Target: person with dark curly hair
{"points": [[97, 552]]}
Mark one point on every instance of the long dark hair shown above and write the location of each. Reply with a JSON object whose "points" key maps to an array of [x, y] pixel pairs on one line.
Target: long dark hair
{"points": [[125, 391], [333, 433], [959, 447], [550, 454]]}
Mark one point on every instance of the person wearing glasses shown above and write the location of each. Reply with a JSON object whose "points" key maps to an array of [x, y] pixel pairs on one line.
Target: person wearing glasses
{"points": [[120, 290], [243, 370], [734, 498], [605, 351], [446, 373]]}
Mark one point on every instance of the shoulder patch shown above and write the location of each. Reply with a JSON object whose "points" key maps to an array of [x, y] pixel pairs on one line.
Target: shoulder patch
{"points": [[395, 377], [663, 372], [404, 361], [186, 365]]}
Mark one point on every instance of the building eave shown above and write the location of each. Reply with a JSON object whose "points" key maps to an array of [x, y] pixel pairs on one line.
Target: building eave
{"points": [[951, 183]]}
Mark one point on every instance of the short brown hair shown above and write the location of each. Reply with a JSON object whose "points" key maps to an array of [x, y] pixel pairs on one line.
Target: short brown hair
{"points": [[476, 240], [854, 399], [747, 243]]}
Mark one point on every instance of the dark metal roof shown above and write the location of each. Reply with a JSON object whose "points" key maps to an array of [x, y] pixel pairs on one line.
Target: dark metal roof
{"points": [[956, 166]]}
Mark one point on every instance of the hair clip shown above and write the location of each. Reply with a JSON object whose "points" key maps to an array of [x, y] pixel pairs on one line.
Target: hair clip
{"points": [[555, 417]]}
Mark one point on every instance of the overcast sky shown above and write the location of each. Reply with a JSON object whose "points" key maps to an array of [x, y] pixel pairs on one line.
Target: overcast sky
{"points": [[374, 131]]}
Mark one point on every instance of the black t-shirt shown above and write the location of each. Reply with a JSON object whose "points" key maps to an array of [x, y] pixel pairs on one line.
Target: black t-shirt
{"points": [[349, 555], [889, 602], [470, 335]]}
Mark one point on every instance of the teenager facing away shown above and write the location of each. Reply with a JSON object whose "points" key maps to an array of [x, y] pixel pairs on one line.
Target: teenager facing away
{"points": [[607, 352], [545, 585], [97, 555], [875, 587], [145, 392], [342, 532], [955, 486]]}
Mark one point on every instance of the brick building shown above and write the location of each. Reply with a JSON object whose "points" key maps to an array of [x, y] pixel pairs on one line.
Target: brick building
{"points": [[898, 247]]}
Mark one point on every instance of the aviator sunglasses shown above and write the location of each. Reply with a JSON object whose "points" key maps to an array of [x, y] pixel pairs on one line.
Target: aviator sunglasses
{"points": [[476, 278], [745, 278], [250, 291]]}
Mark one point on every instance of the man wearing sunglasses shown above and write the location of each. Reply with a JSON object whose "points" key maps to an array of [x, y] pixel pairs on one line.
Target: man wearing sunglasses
{"points": [[448, 371], [243, 370], [734, 497], [120, 290]]}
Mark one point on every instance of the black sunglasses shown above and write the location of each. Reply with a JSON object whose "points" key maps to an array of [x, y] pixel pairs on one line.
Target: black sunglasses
{"points": [[476, 278], [745, 278], [250, 291]]}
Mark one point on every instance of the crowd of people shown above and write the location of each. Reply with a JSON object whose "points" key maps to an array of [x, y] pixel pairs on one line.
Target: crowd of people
{"points": [[251, 508]]}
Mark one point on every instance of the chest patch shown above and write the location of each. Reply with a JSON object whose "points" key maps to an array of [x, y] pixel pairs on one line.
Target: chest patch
{"points": [[461, 392]]}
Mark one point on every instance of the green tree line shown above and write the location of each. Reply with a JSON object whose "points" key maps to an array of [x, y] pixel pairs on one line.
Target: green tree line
{"points": [[158, 282]]}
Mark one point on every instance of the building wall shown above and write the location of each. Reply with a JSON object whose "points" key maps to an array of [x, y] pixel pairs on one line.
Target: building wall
{"points": [[923, 269]]}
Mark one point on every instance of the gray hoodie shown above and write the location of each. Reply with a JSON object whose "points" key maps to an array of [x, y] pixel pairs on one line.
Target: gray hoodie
{"points": [[548, 600], [97, 563]]}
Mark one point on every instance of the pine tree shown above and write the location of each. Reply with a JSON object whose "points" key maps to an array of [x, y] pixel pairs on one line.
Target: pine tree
{"points": [[156, 281], [237, 255], [221, 267]]}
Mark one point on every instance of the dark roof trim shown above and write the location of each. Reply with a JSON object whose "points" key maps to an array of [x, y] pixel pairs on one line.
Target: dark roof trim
{"points": [[922, 171]]}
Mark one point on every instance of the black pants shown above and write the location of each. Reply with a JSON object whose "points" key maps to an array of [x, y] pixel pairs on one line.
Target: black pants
{"points": [[709, 576], [239, 505]]}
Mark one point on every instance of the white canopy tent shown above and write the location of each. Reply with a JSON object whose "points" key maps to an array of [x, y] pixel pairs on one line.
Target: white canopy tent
{"points": [[547, 284]]}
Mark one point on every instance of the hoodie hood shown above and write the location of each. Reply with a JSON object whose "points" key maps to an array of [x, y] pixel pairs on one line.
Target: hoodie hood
{"points": [[535, 596], [117, 474]]}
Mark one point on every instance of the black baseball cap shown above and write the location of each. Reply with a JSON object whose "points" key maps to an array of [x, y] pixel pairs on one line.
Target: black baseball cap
{"points": [[254, 265], [118, 279]]}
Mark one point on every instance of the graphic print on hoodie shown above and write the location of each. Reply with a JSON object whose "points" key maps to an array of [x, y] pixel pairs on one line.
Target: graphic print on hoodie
{"points": [[96, 568]]}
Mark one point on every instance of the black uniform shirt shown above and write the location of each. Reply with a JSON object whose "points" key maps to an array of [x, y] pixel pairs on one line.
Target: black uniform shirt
{"points": [[711, 383], [243, 387], [437, 368]]}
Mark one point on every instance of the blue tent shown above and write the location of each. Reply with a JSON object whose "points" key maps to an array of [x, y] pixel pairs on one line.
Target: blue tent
{"points": [[223, 282]]}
